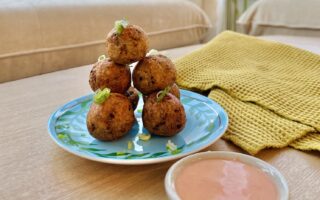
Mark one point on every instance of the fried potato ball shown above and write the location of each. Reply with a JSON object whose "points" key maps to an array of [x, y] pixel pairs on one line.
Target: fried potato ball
{"points": [[153, 73], [129, 46], [112, 119], [108, 74], [164, 118], [133, 96]]}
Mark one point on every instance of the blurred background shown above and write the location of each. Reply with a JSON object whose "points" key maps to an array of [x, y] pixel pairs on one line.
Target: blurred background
{"points": [[41, 36]]}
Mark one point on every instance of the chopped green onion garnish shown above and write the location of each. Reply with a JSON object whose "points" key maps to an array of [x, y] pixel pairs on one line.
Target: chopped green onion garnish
{"points": [[120, 25], [163, 93], [176, 151], [171, 147], [153, 52], [102, 57], [101, 95], [144, 137], [130, 145]]}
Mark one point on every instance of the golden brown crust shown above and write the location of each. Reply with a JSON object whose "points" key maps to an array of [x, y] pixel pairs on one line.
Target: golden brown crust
{"points": [[129, 46], [154, 73], [108, 74], [112, 119], [133, 96], [164, 118]]}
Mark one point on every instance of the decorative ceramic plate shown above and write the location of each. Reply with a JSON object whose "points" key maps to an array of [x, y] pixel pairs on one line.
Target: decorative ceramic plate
{"points": [[206, 123]]}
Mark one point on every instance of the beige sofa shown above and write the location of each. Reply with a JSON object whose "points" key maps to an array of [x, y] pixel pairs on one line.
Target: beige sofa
{"points": [[285, 17], [33, 167], [293, 22], [44, 36]]}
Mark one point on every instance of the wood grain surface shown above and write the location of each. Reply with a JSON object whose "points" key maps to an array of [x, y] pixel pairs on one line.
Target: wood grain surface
{"points": [[32, 166]]}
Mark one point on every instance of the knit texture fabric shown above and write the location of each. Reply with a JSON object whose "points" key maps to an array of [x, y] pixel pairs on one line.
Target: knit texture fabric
{"points": [[270, 90]]}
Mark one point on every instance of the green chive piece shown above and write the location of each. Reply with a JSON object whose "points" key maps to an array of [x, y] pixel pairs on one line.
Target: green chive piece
{"points": [[101, 95], [163, 93], [130, 145], [144, 136], [177, 151], [102, 57], [153, 52], [120, 25], [172, 148]]}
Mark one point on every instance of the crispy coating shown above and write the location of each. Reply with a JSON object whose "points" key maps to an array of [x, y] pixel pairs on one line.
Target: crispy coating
{"points": [[133, 96], [164, 118], [109, 74], [174, 90], [112, 119], [129, 46], [153, 73]]}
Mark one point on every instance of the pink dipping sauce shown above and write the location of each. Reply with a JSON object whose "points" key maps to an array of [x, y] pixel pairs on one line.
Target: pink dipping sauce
{"points": [[224, 180]]}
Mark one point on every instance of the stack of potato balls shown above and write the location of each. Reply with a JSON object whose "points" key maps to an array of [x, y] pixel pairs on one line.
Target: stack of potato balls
{"points": [[111, 115]]}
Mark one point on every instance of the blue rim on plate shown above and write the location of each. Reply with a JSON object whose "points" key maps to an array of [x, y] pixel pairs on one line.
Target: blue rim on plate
{"points": [[206, 123]]}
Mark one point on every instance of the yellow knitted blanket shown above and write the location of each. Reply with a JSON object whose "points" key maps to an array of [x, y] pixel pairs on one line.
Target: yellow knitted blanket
{"points": [[271, 91]]}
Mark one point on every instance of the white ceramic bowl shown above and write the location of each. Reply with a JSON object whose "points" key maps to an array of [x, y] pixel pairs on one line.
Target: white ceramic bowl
{"points": [[275, 175]]}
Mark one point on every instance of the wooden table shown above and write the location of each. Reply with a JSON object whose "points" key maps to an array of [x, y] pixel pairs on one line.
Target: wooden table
{"points": [[34, 167]]}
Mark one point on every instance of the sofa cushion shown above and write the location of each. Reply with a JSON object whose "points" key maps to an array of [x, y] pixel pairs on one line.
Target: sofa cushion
{"points": [[285, 17], [43, 36], [311, 44]]}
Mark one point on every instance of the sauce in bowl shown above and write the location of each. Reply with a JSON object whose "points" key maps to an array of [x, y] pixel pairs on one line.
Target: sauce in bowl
{"points": [[224, 179]]}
